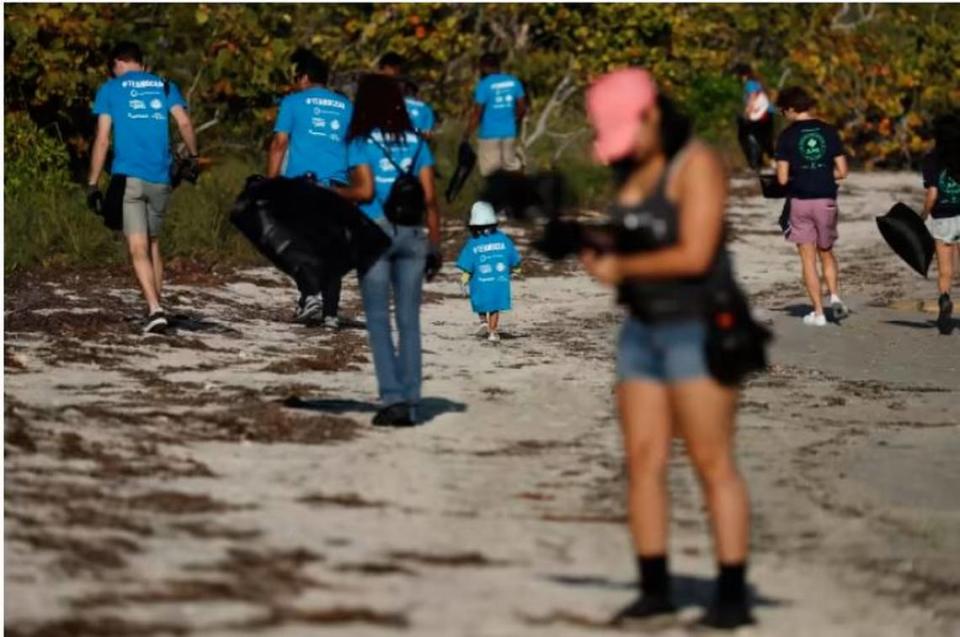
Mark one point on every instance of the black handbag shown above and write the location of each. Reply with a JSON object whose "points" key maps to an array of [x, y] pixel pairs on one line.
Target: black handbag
{"points": [[736, 344]]}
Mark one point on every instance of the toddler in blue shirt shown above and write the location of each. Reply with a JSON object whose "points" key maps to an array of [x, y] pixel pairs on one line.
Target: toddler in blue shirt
{"points": [[487, 261]]}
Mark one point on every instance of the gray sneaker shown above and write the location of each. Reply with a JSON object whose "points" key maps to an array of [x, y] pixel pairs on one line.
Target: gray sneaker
{"points": [[312, 309], [331, 322], [839, 310]]}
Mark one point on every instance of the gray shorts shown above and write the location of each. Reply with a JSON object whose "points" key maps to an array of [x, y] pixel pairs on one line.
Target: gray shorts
{"points": [[498, 154], [946, 230], [144, 205]]}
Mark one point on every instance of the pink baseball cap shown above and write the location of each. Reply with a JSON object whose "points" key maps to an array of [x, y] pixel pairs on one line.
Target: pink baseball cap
{"points": [[614, 105]]}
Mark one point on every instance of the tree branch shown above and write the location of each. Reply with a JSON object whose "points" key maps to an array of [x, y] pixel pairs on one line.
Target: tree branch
{"points": [[561, 93]]}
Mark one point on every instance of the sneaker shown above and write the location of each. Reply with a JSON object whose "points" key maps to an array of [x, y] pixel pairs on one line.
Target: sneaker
{"points": [[396, 415], [727, 616], [645, 609], [945, 318], [312, 309], [483, 330], [814, 319], [494, 337], [331, 322], [156, 323], [839, 310]]}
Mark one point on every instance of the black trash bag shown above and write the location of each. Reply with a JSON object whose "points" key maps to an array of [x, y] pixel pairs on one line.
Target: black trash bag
{"points": [[307, 231], [527, 197], [466, 160], [112, 208], [771, 188], [905, 232], [736, 344]]}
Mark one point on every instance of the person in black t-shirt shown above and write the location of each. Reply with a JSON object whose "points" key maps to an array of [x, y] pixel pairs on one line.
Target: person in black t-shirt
{"points": [[941, 178], [810, 161]]}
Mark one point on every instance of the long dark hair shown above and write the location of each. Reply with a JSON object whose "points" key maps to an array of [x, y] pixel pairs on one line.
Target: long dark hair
{"points": [[379, 105], [675, 127], [946, 132]]}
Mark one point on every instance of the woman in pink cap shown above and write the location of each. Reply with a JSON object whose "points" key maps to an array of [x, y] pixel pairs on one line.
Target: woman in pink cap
{"points": [[671, 195]]}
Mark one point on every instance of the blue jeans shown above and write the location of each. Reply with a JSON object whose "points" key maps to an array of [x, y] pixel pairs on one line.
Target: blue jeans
{"points": [[401, 267]]}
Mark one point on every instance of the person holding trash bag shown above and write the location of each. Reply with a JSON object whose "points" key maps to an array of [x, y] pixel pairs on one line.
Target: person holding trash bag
{"points": [[311, 130], [941, 179], [755, 124], [671, 196], [810, 161], [137, 105], [392, 178]]}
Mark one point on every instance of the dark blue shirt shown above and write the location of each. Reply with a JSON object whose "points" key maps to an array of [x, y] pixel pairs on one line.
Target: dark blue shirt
{"points": [[810, 147]]}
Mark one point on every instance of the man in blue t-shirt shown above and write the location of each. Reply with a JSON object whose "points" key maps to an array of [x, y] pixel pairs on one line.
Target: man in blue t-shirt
{"points": [[421, 115], [310, 130], [499, 104], [136, 105]]}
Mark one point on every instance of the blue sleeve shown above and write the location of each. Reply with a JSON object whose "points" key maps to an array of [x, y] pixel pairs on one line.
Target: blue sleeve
{"points": [[514, 256], [518, 91], [101, 104], [284, 117], [347, 117], [358, 153], [465, 260], [480, 93], [175, 97], [429, 119], [752, 86], [425, 158], [834, 143]]}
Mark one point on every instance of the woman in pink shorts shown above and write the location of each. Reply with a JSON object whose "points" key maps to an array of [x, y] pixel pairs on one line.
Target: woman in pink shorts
{"points": [[810, 161]]}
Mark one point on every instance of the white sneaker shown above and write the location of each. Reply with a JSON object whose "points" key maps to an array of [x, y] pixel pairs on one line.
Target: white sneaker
{"points": [[494, 337], [312, 309], [331, 323], [483, 330], [814, 319]]}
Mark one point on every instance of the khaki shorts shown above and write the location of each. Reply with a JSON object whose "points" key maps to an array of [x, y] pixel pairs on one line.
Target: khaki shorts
{"points": [[498, 154], [144, 205]]}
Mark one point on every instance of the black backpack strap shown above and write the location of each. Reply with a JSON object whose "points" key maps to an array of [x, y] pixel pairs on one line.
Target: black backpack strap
{"points": [[389, 157]]}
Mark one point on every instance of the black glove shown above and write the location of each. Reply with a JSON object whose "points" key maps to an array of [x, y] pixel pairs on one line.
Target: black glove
{"points": [[434, 261], [94, 198], [185, 169]]}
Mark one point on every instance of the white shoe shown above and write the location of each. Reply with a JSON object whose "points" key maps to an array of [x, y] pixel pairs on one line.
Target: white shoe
{"points": [[494, 337], [331, 323], [814, 319], [483, 330]]}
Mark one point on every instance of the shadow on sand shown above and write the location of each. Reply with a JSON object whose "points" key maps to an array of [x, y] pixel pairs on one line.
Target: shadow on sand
{"points": [[429, 407]]}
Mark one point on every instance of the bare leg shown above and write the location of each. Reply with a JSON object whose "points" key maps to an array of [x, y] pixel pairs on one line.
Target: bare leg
{"points": [[157, 262], [645, 422], [945, 254], [808, 257], [493, 321], [831, 271], [705, 412], [139, 248]]}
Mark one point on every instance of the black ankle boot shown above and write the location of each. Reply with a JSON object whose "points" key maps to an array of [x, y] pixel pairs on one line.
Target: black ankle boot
{"points": [[945, 318]]}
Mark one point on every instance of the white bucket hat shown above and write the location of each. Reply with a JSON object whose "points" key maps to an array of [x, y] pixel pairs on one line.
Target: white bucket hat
{"points": [[482, 214]]}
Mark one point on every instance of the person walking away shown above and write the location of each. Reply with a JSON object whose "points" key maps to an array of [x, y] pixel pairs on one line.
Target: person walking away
{"points": [[941, 179], [389, 161], [810, 162], [421, 115], [671, 190], [486, 261], [755, 124], [137, 105], [310, 131], [499, 105]]}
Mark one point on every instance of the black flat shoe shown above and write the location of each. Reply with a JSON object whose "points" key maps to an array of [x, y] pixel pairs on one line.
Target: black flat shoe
{"points": [[727, 616], [396, 415], [646, 610], [945, 318]]}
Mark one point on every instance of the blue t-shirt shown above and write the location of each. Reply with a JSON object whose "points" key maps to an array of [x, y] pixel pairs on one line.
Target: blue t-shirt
{"points": [[753, 86], [316, 119], [498, 94], [421, 115], [369, 152], [139, 107], [488, 259]]}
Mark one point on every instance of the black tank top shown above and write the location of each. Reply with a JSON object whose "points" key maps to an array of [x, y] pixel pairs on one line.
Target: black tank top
{"points": [[653, 224]]}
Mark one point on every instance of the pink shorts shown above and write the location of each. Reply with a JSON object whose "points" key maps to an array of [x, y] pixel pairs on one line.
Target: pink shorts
{"points": [[813, 221]]}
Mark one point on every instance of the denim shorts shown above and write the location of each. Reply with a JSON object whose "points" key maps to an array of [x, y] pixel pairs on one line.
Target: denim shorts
{"points": [[662, 352]]}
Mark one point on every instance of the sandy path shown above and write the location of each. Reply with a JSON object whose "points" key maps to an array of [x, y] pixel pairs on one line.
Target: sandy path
{"points": [[158, 487]]}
